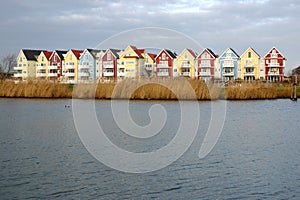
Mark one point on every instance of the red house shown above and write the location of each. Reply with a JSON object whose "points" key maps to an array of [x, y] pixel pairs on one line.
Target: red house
{"points": [[109, 64], [206, 64], [274, 65], [165, 63], [55, 65]]}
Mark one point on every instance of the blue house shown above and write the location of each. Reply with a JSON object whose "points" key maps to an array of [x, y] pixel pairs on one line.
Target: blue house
{"points": [[229, 65], [88, 65]]}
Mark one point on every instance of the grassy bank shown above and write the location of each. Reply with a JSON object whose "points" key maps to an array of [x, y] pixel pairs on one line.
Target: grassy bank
{"points": [[146, 89]]}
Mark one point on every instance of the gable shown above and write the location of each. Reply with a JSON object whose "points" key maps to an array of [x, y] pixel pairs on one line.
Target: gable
{"points": [[229, 52], [253, 53]]}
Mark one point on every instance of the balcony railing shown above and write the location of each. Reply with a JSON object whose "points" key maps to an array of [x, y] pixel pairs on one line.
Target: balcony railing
{"points": [[273, 74], [52, 74], [185, 65], [83, 66], [70, 66], [108, 74], [205, 66], [228, 73], [69, 74], [274, 65], [228, 65], [40, 75], [121, 73], [185, 74], [84, 74], [17, 68], [39, 67], [163, 74], [18, 75], [52, 67], [162, 66], [121, 66], [249, 74], [205, 74]]}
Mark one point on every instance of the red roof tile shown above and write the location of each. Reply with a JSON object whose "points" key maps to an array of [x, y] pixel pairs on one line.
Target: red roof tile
{"points": [[47, 54], [77, 53]]}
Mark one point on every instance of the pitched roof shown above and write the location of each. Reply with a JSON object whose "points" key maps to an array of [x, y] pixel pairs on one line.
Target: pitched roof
{"points": [[77, 53], [276, 50], [252, 50], [173, 55], [31, 54], [115, 52], [192, 52], [61, 53], [230, 50], [211, 52], [152, 56], [139, 52], [47, 54]]}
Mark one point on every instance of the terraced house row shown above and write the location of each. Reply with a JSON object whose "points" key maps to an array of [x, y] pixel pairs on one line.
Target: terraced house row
{"points": [[91, 65]]}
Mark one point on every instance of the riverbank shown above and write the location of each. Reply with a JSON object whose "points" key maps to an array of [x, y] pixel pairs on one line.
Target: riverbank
{"points": [[147, 90]]}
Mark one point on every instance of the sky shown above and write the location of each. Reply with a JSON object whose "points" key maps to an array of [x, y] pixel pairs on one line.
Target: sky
{"points": [[80, 24]]}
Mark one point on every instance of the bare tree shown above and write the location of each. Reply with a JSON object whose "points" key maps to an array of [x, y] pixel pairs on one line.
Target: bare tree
{"points": [[6, 65]]}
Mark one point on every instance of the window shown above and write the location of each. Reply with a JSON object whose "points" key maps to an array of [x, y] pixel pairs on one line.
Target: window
{"points": [[42, 58], [185, 56], [249, 54], [108, 56], [86, 56], [55, 59], [71, 57], [163, 56], [20, 59]]}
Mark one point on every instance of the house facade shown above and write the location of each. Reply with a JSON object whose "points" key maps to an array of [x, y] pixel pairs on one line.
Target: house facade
{"points": [[43, 62], [87, 70], [149, 64], [186, 63], [131, 60], [110, 69], [70, 67], [274, 63], [26, 64], [206, 63], [55, 64], [250, 65], [166, 64], [229, 64]]}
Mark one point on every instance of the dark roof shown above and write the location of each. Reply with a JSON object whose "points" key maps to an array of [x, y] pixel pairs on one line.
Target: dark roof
{"points": [[31, 54], [115, 52], [234, 52], [211, 52], [173, 55], [60, 53]]}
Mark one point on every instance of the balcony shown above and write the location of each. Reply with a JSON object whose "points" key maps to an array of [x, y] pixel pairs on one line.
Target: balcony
{"points": [[18, 75], [185, 65], [52, 74], [39, 67], [69, 66], [40, 75], [274, 65], [83, 66], [149, 67], [121, 66], [249, 74], [108, 74], [54, 67], [205, 66], [228, 65], [185, 74], [121, 73], [205, 74], [85, 74], [163, 74], [18, 68], [273, 73], [69, 74], [228, 73], [162, 66]]}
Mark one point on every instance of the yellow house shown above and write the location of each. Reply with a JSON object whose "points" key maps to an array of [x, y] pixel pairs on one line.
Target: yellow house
{"points": [[250, 62], [42, 64], [71, 63], [26, 64], [149, 64], [186, 63], [131, 59]]}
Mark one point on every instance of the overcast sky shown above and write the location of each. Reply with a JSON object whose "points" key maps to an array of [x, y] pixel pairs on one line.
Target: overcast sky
{"points": [[65, 24]]}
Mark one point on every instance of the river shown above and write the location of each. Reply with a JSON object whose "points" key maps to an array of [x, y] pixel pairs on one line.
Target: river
{"points": [[256, 157]]}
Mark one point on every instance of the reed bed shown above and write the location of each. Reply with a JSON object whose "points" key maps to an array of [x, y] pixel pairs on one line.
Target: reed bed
{"points": [[145, 89]]}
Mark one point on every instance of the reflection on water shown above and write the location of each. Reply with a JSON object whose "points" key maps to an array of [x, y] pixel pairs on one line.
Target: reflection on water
{"points": [[257, 156]]}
